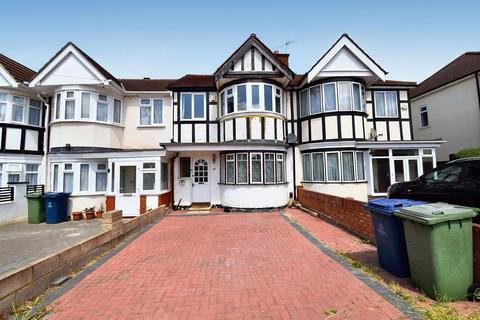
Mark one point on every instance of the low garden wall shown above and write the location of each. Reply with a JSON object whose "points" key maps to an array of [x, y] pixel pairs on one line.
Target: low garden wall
{"points": [[351, 215], [27, 282]]}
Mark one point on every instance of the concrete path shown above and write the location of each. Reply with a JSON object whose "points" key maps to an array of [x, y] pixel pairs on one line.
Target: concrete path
{"points": [[22, 243], [235, 266]]}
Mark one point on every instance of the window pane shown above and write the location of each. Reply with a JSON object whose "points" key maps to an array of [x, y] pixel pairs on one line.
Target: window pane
{"points": [[17, 113], [14, 177], [255, 96], [149, 181], [360, 166], [381, 175], [392, 106], [35, 103], [307, 167], [102, 111], [149, 165], [145, 115], [164, 175], [357, 98], [256, 165], [222, 103], [230, 105], [31, 167], [199, 104], [344, 96], [184, 167], [57, 106], [68, 182], [33, 116], [241, 98], [329, 97], [157, 111], [145, 101], [424, 116], [333, 172], [427, 164], [84, 171], [315, 101], [85, 113], [280, 168], [278, 101], [380, 104], [222, 168], [318, 167], [117, 111], [186, 106], [3, 96], [69, 109], [101, 97], [55, 177], [31, 178], [304, 110], [347, 164], [19, 100], [101, 181], [268, 98], [242, 167], [230, 169], [70, 94], [3, 110], [269, 167]]}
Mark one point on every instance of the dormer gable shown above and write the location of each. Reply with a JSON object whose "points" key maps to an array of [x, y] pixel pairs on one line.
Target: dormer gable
{"points": [[254, 58], [13, 73], [346, 59], [69, 66]]}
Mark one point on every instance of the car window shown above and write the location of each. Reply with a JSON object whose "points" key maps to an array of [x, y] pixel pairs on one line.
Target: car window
{"points": [[449, 173], [473, 172]]}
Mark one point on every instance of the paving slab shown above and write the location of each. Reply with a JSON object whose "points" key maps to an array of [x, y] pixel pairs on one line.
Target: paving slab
{"points": [[232, 266], [22, 243]]}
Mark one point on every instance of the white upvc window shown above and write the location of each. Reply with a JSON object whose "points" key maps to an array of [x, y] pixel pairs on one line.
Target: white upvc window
{"points": [[329, 96], [304, 103], [102, 108], [193, 106], [360, 166], [424, 117], [85, 108], [58, 104], [348, 166], [269, 167], [230, 101], [230, 172], [55, 177], [315, 99], [252, 97], [67, 177], [255, 94], [318, 167], [344, 96], [357, 96], [69, 111], [34, 112], [307, 167], [84, 177], [278, 101], [386, 104], [151, 111], [256, 168], [101, 177], [333, 166], [164, 176], [18, 106], [280, 168], [242, 168], [117, 111], [149, 173], [242, 97], [3, 106]]}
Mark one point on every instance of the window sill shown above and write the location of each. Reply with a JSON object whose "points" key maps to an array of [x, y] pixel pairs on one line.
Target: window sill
{"points": [[421, 128], [86, 194], [86, 121], [145, 126], [251, 184], [251, 113]]}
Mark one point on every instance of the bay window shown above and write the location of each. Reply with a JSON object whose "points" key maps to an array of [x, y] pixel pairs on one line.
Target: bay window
{"points": [[256, 168], [269, 160], [251, 96], [307, 167], [333, 166], [280, 168], [242, 168], [70, 105], [330, 97], [230, 168], [193, 106], [318, 167], [102, 108], [88, 177], [85, 109], [348, 167], [386, 104], [17, 108], [34, 112], [117, 111], [3, 106]]}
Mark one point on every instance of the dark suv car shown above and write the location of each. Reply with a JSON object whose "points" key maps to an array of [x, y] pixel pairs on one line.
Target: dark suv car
{"points": [[456, 182]]}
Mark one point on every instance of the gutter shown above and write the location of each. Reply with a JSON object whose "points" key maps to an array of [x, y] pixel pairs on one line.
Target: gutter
{"points": [[46, 141]]}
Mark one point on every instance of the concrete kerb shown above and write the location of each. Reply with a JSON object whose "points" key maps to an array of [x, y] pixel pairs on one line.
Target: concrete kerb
{"points": [[27, 282]]}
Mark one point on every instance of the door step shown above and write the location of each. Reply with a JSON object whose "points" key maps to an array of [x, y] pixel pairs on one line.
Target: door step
{"points": [[200, 207]]}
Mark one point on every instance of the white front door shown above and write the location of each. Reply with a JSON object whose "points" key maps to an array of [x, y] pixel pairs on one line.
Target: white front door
{"points": [[405, 169], [200, 181], [128, 195]]}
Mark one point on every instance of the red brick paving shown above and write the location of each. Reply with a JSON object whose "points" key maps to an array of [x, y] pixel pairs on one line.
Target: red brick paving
{"points": [[237, 266]]}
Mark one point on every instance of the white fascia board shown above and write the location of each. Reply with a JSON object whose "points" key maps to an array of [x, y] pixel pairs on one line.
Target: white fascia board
{"points": [[5, 74], [136, 93], [345, 42], [223, 147], [401, 144], [134, 154], [69, 49], [327, 145]]}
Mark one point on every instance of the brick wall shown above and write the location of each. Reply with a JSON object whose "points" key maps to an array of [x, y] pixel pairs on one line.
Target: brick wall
{"points": [[110, 203], [348, 213], [143, 204], [165, 198]]}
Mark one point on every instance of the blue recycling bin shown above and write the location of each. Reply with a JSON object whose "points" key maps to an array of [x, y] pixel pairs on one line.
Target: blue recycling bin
{"points": [[56, 207], [389, 234]]}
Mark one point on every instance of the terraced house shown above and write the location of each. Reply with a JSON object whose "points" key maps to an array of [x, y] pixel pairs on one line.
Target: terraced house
{"points": [[244, 136]]}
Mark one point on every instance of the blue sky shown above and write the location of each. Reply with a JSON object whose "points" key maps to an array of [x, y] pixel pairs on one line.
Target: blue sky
{"points": [[165, 39]]}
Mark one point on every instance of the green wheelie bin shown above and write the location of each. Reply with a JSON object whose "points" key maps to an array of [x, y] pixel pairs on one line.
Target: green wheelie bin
{"points": [[36, 207], [439, 247]]}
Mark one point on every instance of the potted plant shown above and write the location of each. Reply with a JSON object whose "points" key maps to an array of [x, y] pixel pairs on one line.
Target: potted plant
{"points": [[77, 215], [99, 212], [89, 213]]}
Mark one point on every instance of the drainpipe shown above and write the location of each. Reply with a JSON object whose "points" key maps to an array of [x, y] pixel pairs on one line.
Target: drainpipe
{"points": [[478, 88], [45, 138], [172, 170]]}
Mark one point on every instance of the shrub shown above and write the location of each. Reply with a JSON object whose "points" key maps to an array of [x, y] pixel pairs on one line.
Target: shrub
{"points": [[468, 153]]}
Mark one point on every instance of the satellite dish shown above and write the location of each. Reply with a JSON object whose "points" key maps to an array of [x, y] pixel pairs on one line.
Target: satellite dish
{"points": [[373, 134], [292, 138]]}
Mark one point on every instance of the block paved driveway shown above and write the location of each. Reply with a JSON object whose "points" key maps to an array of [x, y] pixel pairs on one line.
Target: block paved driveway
{"points": [[235, 266]]}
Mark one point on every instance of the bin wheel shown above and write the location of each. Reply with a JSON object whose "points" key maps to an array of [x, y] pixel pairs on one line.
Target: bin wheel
{"points": [[474, 292], [68, 218]]}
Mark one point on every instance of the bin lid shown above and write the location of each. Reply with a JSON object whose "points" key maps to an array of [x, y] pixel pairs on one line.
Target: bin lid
{"points": [[389, 206], [56, 194], [434, 213], [34, 195]]}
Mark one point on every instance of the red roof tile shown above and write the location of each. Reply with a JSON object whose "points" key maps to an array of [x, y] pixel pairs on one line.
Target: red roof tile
{"points": [[194, 82], [146, 84], [465, 65], [17, 70]]}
